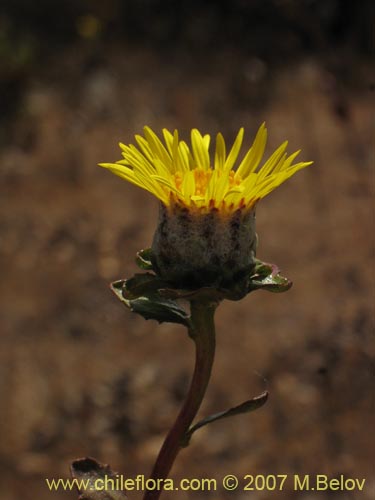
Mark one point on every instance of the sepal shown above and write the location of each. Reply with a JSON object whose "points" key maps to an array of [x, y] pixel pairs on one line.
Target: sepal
{"points": [[143, 259], [267, 277], [154, 298], [149, 303]]}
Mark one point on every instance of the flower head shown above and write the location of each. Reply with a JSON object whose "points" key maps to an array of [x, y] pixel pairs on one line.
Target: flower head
{"points": [[206, 232], [191, 178]]}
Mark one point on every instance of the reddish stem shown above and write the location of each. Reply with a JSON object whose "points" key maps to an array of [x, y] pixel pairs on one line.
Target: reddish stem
{"points": [[203, 334]]}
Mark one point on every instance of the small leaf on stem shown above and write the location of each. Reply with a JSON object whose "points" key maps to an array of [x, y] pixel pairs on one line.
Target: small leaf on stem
{"points": [[246, 407]]}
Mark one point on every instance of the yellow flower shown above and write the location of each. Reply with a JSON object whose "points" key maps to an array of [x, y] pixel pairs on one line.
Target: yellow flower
{"points": [[206, 231], [189, 177]]}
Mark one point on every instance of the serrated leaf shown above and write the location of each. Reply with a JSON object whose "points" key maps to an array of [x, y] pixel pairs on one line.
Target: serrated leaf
{"points": [[143, 259], [246, 407], [152, 306], [91, 476], [162, 310]]}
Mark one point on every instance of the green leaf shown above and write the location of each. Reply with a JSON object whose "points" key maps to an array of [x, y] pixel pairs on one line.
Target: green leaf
{"points": [[246, 407], [267, 277], [144, 259], [152, 306], [141, 284], [162, 310]]}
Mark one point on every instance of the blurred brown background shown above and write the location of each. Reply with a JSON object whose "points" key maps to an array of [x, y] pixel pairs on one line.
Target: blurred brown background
{"points": [[79, 374]]}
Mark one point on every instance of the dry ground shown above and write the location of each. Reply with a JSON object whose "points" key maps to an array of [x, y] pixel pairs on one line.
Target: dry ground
{"points": [[80, 375]]}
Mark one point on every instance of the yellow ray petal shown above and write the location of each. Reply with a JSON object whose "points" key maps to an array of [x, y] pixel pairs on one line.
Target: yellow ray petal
{"points": [[272, 161], [167, 183], [255, 153], [168, 138], [234, 152], [220, 152], [157, 146], [200, 150], [286, 163]]}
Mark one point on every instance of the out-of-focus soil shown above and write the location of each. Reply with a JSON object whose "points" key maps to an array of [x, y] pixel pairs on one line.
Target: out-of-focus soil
{"points": [[82, 376]]}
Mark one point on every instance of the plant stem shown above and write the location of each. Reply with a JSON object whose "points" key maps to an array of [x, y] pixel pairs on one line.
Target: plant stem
{"points": [[202, 332]]}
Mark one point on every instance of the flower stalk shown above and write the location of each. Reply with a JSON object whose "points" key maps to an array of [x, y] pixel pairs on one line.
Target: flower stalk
{"points": [[202, 331]]}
